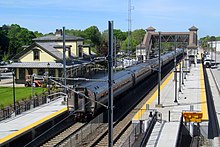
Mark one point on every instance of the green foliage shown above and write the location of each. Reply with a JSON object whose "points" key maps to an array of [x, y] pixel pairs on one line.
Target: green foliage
{"points": [[13, 37], [92, 36], [38, 34], [78, 33], [136, 38], [5, 58]]}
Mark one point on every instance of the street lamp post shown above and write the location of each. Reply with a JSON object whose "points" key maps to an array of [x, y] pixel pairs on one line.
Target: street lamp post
{"points": [[13, 74]]}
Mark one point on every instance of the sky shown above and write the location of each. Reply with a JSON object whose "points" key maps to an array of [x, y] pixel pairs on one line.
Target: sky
{"points": [[164, 15]]}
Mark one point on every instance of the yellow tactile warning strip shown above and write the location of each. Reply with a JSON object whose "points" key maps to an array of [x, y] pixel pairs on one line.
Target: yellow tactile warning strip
{"points": [[2, 140], [203, 95], [152, 98], [139, 114]]}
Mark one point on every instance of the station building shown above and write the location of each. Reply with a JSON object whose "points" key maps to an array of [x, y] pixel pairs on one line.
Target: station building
{"points": [[46, 55]]}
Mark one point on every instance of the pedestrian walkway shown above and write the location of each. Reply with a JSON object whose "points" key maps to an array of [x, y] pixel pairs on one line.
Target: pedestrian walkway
{"points": [[14, 127], [191, 97]]}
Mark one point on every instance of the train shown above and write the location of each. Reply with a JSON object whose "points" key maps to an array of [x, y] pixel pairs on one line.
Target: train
{"points": [[122, 81]]}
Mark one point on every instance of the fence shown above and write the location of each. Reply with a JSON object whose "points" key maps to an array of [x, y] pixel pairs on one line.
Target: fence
{"points": [[87, 134], [25, 105]]}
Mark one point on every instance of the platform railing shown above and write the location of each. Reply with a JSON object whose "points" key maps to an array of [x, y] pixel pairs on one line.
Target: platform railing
{"points": [[26, 105]]}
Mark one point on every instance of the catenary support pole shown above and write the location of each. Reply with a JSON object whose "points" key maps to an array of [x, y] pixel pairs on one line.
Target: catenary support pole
{"points": [[175, 73], [110, 81], [159, 70], [183, 68], [180, 73], [64, 61], [13, 74]]}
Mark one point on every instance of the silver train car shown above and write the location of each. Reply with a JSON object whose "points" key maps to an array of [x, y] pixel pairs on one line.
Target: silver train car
{"points": [[122, 81]]}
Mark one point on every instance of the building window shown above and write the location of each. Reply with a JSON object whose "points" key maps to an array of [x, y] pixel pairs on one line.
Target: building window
{"points": [[36, 54]]}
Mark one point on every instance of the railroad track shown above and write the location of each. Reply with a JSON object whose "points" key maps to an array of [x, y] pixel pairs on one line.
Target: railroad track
{"points": [[122, 127], [63, 135], [95, 133]]}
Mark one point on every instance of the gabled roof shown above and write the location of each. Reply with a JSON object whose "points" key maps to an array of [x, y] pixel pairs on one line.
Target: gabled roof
{"points": [[58, 38], [47, 47]]}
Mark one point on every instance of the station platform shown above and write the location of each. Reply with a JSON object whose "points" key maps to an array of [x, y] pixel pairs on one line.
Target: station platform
{"points": [[192, 97], [16, 126]]}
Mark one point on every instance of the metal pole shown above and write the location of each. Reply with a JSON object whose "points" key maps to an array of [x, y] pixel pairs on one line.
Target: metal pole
{"points": [[110, 81], [64, 61], [13, 74], [180, 73], [175, 72], [32, 85], [183, 66], [115, 55], [159, 71], [211, 52], [215, 51]]}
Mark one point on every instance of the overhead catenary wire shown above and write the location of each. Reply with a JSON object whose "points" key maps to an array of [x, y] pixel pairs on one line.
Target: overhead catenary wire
{"points": [[81, 94]]}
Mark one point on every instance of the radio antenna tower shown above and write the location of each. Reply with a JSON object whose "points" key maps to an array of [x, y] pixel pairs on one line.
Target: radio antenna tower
{"points": [[129, 26]]}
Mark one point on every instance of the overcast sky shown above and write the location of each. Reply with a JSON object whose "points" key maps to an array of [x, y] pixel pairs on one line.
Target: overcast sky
{"points": [[164, 15]]}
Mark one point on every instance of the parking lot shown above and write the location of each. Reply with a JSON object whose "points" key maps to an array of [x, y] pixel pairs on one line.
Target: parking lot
{"points": [[6, 80]]}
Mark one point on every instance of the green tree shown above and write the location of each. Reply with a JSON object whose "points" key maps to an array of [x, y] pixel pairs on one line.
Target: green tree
{"points": [[13, 37], [78, 33], [136, 38], [92, 36], [38, 34], [4, 41]]}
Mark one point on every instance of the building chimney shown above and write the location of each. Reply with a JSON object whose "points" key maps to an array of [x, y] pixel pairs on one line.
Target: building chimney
{"points": [[58, 32]]}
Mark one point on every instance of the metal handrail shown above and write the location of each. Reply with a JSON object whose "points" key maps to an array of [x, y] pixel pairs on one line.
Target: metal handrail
{"points": [[149, 130], [179, 138]]}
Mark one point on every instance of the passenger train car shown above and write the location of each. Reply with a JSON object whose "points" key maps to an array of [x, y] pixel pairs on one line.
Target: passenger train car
{"points": [[122, 81]]}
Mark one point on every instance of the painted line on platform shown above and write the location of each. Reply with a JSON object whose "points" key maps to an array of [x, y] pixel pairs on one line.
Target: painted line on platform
{"points": [[29, 127], [203, 95]]}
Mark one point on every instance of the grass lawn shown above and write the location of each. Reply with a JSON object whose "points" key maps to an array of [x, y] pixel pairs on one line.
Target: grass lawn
{"points": [[6, 94]]}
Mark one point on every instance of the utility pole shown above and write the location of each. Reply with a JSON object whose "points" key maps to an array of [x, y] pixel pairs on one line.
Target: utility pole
{"points": [[64, 62], [110, 83], [159, 70], [175, 73]]}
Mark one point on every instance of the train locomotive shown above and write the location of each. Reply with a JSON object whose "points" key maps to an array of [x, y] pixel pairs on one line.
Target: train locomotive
{"points": [[122, 81]]}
